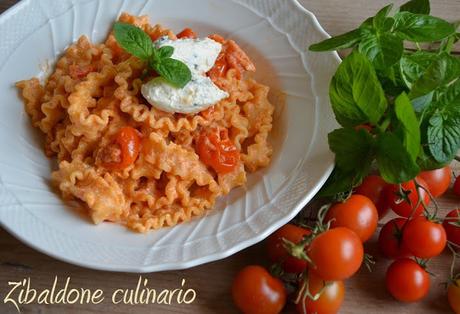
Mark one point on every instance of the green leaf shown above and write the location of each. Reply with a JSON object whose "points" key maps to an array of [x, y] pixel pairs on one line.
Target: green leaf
{"points": [[421, 28], [383, 49], [353, 148], [444, 135], [355, 92], [134, 40], [394, 162], [165, 52], [173, 71], [442, 71], [380, 20], [409, 125], [417, 6], [427, 162], [341, 181], [343, 41], [421, 103], [414, 65]]}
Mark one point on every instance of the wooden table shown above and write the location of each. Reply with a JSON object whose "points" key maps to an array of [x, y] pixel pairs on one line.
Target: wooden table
{"points": [[365, 292]]}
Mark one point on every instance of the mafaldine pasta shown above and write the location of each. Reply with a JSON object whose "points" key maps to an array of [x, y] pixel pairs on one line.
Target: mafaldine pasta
{"points": [[126, 161]]}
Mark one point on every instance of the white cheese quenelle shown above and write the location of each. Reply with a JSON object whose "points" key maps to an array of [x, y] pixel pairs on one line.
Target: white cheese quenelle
{"points": [[200, 93]]}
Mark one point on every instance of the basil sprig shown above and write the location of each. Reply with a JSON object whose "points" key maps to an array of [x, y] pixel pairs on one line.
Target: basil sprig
{"points": [[410, 99], [136, 42]]}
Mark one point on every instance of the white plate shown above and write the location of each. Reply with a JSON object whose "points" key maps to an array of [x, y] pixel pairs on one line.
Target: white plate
{"points": [[275, 33]]}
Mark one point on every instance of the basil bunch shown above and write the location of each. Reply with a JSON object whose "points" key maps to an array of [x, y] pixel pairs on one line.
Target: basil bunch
{"points": [[411, 100], [136, 42]]}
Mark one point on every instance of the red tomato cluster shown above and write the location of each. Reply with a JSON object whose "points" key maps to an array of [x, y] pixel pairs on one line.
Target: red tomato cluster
{"points": [[321, 257]]}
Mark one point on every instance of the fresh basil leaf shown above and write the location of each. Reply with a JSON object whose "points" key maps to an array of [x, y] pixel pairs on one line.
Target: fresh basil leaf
{"points": [[173, 71], [442, 71], [380, 20], [394, 162], [343, 41], [409, 125], [165, 52], [421, 103], [383, 49], [427, 162], [355, 92], [133, 40], [417, 6], [352, 148], [421, 28], [414, 65], [341, 181], [443, 135]]}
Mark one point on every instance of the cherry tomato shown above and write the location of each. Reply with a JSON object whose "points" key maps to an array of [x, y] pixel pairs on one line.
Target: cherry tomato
{"points": [[220, 67], [452, 226], [424, 238], [407, 281], [390, 239], [187, 33], [217, 150], [278, 253], [129, 141], [336, 254], [457, 186], [357, 213], [372, 187], [438, 180], [330, 300], [255, 291], [401, 206], [453, 295]]}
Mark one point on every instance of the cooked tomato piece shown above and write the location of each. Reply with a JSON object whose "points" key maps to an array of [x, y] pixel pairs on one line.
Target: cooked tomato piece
{"points": [[187, 33], [129, 141], [80, 71], [217, 150]]}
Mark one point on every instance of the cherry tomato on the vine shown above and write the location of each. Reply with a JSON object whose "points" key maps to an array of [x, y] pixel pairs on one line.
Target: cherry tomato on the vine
{"points": [[424, 238], [372, 187], [452, 226], [457, 186], [404, 205], [330, 300], [390, 239], [438, 180], [336, 254], [278, 253], [453, 295], [407, 281], [255, 291], [357, 213]]}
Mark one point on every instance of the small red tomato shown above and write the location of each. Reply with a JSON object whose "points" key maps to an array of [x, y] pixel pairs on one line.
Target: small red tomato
{"points": [[407, 281], [438, 180], [330, 300], [255, 291], [277, 252], [453, 295], [372, 187], [457, 186], [357, 213], [336, 254], [187, 33], [452, 226], [424, 238], [390, 239], [405, 207]]}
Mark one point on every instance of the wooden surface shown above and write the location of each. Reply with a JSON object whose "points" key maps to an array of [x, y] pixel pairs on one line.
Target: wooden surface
{"points": [[365, 292]]}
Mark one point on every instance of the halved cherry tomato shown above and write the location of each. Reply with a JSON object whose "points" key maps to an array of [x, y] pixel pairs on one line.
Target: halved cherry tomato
{"points": [[187, 33], [424, 238], [217, 150], [457, 186], [336, 254], [129, 141], [357, 213], [405, 207], [407, 281], [453, 295], [452, 226], [438, 180], [390, 239], [372, 187], [330, 300], [255, 291], [278, 253], [220, 67]]}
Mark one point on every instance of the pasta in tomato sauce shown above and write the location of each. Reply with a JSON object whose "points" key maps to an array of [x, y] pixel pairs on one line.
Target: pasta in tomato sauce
{"points": [[94, 93]]}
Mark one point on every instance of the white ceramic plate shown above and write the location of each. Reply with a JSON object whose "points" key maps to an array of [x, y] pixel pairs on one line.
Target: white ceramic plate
{"points": [[275, 33]]}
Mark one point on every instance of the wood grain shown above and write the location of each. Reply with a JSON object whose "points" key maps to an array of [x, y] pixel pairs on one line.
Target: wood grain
{"points": [[365, 292]]}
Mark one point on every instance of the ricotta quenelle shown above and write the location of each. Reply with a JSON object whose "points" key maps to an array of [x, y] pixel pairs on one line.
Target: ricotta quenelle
{"points": [[200, 93]]}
